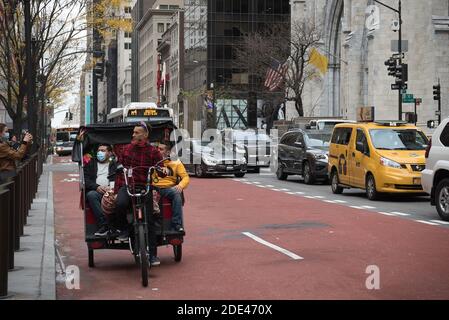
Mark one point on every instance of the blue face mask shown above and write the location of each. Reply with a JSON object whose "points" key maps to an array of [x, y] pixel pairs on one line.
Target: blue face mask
{"points": [[101, 156], [6, 135]]}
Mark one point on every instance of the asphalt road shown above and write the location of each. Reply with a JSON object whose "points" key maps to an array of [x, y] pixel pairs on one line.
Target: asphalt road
{"points": [[247, 241]]}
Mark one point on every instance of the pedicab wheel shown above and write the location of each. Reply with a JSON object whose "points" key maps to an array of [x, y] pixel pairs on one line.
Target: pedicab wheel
{"points": [[177, 250], [144, 265], [91, 258]]}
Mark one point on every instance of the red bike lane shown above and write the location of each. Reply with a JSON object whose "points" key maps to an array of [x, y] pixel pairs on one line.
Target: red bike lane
{"points": [[337, 243]]}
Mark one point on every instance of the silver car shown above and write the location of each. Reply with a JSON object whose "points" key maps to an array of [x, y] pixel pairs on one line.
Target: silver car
{"points": [[435, 178]]}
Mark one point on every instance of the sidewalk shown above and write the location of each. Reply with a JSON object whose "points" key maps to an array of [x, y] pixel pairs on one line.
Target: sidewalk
{"points": [[34, 277]]}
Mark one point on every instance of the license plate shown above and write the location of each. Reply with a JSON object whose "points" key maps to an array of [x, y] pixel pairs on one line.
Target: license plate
{"points": [[229, 168], [417, 181]]}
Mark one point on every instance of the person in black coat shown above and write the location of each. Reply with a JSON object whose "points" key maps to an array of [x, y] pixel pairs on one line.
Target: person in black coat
{"points": [[99, 175]]}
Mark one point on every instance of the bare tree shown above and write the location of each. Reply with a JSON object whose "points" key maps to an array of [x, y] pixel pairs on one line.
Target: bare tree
{"points": [[57, 26], [289, 44]]}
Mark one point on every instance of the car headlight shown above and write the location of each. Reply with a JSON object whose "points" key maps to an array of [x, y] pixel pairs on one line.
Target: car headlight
{"points": [[320, 156], [208, 160], [389, 163]]}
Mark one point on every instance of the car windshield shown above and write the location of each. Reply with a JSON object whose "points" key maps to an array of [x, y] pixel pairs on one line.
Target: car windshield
{"points": [[318, 141], [398, 139]]}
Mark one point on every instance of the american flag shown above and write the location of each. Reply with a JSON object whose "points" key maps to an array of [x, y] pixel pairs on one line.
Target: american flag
{"points": [[275, 75]]}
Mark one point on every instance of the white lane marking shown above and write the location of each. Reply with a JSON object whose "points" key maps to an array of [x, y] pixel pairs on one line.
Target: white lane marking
{"points": [[310, 197], [247, 182], [236, 180], [284, 189], [427, 222], [269, 186], [368, 207], [291, 193], [329, 201], [440, 222], [276, 189], [255, 182], [400, 213], [260, 186], [355, 207], [319, 197], [273, 246], [299, 192], [340, 201], [387, 213]]}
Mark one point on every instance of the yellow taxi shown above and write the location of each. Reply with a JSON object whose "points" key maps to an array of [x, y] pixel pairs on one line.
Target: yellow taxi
{"points": [[380, 157]]}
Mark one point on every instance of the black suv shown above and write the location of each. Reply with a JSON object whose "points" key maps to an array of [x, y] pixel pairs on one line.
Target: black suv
{"points": [[304, 153]]}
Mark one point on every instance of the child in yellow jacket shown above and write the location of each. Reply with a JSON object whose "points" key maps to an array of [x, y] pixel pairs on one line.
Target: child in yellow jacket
{"points": [[170, 187]]}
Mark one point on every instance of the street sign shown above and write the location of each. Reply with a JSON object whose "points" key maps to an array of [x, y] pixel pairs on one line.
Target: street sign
{"points": [[408, 98], [395, 46], [395, 86]]}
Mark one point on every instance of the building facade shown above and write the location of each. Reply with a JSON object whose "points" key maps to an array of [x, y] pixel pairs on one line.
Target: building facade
{"points": [[171, 51], [148, 32], [217, 93], [357, 38]]}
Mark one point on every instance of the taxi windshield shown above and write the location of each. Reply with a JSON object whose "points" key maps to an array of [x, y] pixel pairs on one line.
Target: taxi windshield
{"points": [[398, 139]]}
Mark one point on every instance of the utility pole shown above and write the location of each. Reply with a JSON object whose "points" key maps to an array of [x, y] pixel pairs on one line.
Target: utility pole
{"points": [[398, 11]]}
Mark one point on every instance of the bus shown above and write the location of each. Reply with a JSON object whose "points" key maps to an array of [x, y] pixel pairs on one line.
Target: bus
{"points": [[65, 137], [140, 111]]}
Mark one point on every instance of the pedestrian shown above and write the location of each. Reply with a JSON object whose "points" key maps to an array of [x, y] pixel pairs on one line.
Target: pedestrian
{"points": [[99, 175], [139, 156], [171, 186], [8, 155]]}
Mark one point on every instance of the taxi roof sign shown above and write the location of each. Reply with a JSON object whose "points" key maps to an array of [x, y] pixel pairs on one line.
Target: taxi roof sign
{"points": [[391, 123]]}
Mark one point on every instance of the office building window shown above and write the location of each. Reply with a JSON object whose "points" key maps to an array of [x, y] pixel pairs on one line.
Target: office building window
{"points": [[127, 9], [160, 27], [127, 46]]}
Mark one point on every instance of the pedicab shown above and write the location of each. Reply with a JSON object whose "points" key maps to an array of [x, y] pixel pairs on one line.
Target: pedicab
{"points": [[117, 134]]}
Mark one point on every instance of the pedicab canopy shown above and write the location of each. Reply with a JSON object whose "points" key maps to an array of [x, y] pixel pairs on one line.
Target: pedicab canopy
{"points": [[116, 133]]}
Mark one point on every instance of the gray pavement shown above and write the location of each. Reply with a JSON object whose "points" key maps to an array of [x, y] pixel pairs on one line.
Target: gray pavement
{"points": [[34, 277]]}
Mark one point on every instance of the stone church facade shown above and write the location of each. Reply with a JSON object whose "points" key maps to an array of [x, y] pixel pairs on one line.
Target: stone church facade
{"points": [[357, 41]]}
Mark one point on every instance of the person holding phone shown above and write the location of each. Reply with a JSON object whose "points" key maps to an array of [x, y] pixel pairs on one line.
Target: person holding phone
{"points": [[9, 155]]}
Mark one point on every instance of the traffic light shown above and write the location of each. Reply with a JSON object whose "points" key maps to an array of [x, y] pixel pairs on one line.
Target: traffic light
{"points": [[431, 124], [99, 70], [401, 73], [391, 64], [437, 92]]}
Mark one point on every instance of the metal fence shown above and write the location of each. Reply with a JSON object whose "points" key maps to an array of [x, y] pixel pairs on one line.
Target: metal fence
{"points": [[16, 197]]}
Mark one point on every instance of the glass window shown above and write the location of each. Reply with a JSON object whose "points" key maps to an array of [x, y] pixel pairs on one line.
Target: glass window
{"points": [[160, 27], [398, 139], [444, 138], [127, 9], [342, 136], [361, 138]]}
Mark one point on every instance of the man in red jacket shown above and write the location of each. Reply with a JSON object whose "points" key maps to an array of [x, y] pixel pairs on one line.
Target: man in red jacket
{"points": [[139, 153]]}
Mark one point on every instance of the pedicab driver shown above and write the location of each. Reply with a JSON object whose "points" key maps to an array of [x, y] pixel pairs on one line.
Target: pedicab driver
{"points": [[139, 153], [169, 187]]}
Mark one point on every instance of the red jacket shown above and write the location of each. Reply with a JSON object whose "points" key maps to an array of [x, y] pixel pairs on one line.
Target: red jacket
{"points": [[131, 156]]}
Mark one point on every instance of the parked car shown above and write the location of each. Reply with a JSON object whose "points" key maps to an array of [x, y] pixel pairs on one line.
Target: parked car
{"points": [[378, 157], [255, 144], [209, 159], [304, 153], [435, 178]]}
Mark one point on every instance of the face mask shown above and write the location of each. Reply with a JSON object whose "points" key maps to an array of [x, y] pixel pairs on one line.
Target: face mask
{"points": [[101, 156]]}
